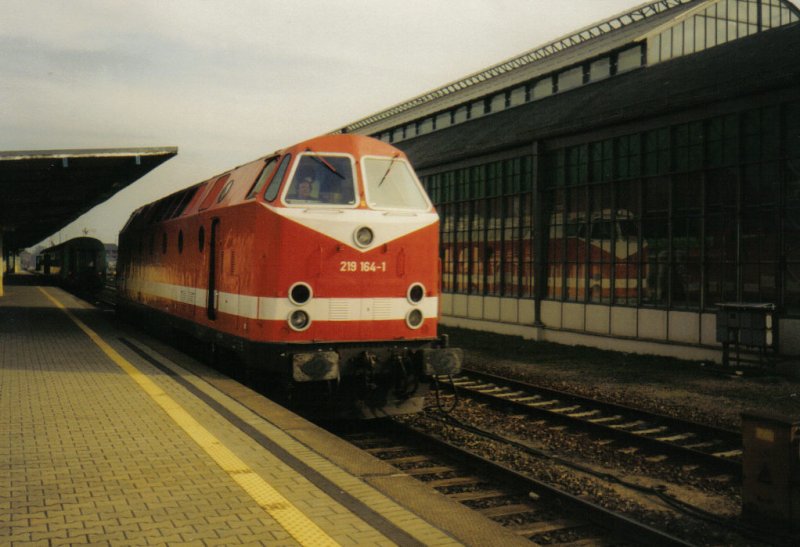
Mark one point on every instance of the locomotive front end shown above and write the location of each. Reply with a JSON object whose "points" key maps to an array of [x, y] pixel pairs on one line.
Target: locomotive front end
{"points": [[360, 307]]}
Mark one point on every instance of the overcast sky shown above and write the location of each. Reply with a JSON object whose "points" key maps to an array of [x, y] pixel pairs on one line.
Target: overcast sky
{"points": [[227, 81]]}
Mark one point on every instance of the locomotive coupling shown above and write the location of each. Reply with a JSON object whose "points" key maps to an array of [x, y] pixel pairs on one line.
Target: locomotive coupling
{"points": [[437, 361], [315, 366]]}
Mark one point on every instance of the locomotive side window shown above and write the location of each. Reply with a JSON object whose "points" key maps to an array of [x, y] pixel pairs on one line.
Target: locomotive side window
{"points": [[275, 183], [269, 168], [225, 190], [391, 184], [322, 180], [209, 197]]}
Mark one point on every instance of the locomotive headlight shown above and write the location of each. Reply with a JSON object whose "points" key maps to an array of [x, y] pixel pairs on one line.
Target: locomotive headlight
{"points": [[300, 293], [299, 320], [415, 293], [414, 318], [363, 236]]}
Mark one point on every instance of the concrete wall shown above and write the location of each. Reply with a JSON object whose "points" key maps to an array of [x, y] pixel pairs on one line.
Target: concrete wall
{"points": [[673, 333]]}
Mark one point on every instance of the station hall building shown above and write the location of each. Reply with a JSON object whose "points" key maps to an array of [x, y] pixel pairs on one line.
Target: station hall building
{"points": [[618, 187]]}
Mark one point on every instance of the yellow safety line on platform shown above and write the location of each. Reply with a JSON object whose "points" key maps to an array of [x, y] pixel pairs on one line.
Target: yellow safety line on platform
{"points": [[287, 515]]}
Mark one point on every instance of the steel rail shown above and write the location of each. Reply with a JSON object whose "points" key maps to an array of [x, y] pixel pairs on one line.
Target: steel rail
{"points": [[584, 412]]}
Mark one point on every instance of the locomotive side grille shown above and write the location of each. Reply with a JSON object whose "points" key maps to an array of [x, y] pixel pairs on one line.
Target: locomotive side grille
{"points": [[187, 296], [382, 308], [339, 309]]}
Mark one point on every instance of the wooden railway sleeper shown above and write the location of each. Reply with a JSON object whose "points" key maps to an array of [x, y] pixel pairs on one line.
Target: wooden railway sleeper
{"points": [[544, 403], [526, 400], [702, 444], [585, 414], [506, 510], [477, 495], [675, 438], [406, 459], [605, 420], [536, 528], [659, 429], [489, 389], [454, 481], [728, 454], [565, 409], [432, 470], [626, 425]]}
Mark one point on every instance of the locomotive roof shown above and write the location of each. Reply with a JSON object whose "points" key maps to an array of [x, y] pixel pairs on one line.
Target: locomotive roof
{"points": [[43, 190]]}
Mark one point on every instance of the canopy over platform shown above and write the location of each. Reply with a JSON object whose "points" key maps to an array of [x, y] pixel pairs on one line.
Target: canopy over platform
{"points": [[42, 191]]}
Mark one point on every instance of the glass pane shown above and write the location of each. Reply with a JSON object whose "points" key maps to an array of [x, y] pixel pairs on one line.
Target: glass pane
{"points": [[517, 96], [629, 59], [666, 45], [711, 32], [600, 69], [677, 40], [391, 185], [542, 88], [654, 50], [322, 180], [688, 36], [498, 103], [425, 126], [570, 79], [476, 250], [699, 33], [269, 168], [275, 183]]}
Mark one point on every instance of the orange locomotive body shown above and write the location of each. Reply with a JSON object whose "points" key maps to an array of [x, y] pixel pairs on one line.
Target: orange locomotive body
{"points": [[316, 265]]}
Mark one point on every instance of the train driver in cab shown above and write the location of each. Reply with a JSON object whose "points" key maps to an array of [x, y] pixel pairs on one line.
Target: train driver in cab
{"points": [[302, 190]]}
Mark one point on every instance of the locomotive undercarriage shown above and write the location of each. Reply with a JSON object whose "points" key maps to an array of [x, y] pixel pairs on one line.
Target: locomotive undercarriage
{"points": [[361, 381], [341, 380]]}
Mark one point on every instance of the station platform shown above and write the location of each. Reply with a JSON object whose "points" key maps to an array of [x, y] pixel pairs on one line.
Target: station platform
{"points": [[108, 436]]}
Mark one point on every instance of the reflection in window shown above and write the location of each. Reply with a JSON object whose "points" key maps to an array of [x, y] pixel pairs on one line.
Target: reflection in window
{"points": [[517, 96], [269, 168], [721, 22], [629, 59], [442, 120], [497, 103], [390, 184], [600, 69], [425, 126], [476, 109], [275, 184], [542, 88], [570, 79], [322, 180]]}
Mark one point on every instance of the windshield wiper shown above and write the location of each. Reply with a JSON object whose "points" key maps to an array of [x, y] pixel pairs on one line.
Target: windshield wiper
{"points": [[386, 174], [323, 161]]}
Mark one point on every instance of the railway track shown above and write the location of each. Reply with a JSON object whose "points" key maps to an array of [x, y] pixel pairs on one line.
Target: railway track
{"points": [[719, 450], [528, 507]]}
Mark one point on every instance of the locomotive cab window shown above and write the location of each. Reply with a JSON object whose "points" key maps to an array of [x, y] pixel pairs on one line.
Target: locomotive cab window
{"points": [[322, 180], [391, 184], [269, 168]]}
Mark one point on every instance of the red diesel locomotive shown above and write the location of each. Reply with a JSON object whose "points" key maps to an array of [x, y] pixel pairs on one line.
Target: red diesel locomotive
{"points": [[317, 266]]}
